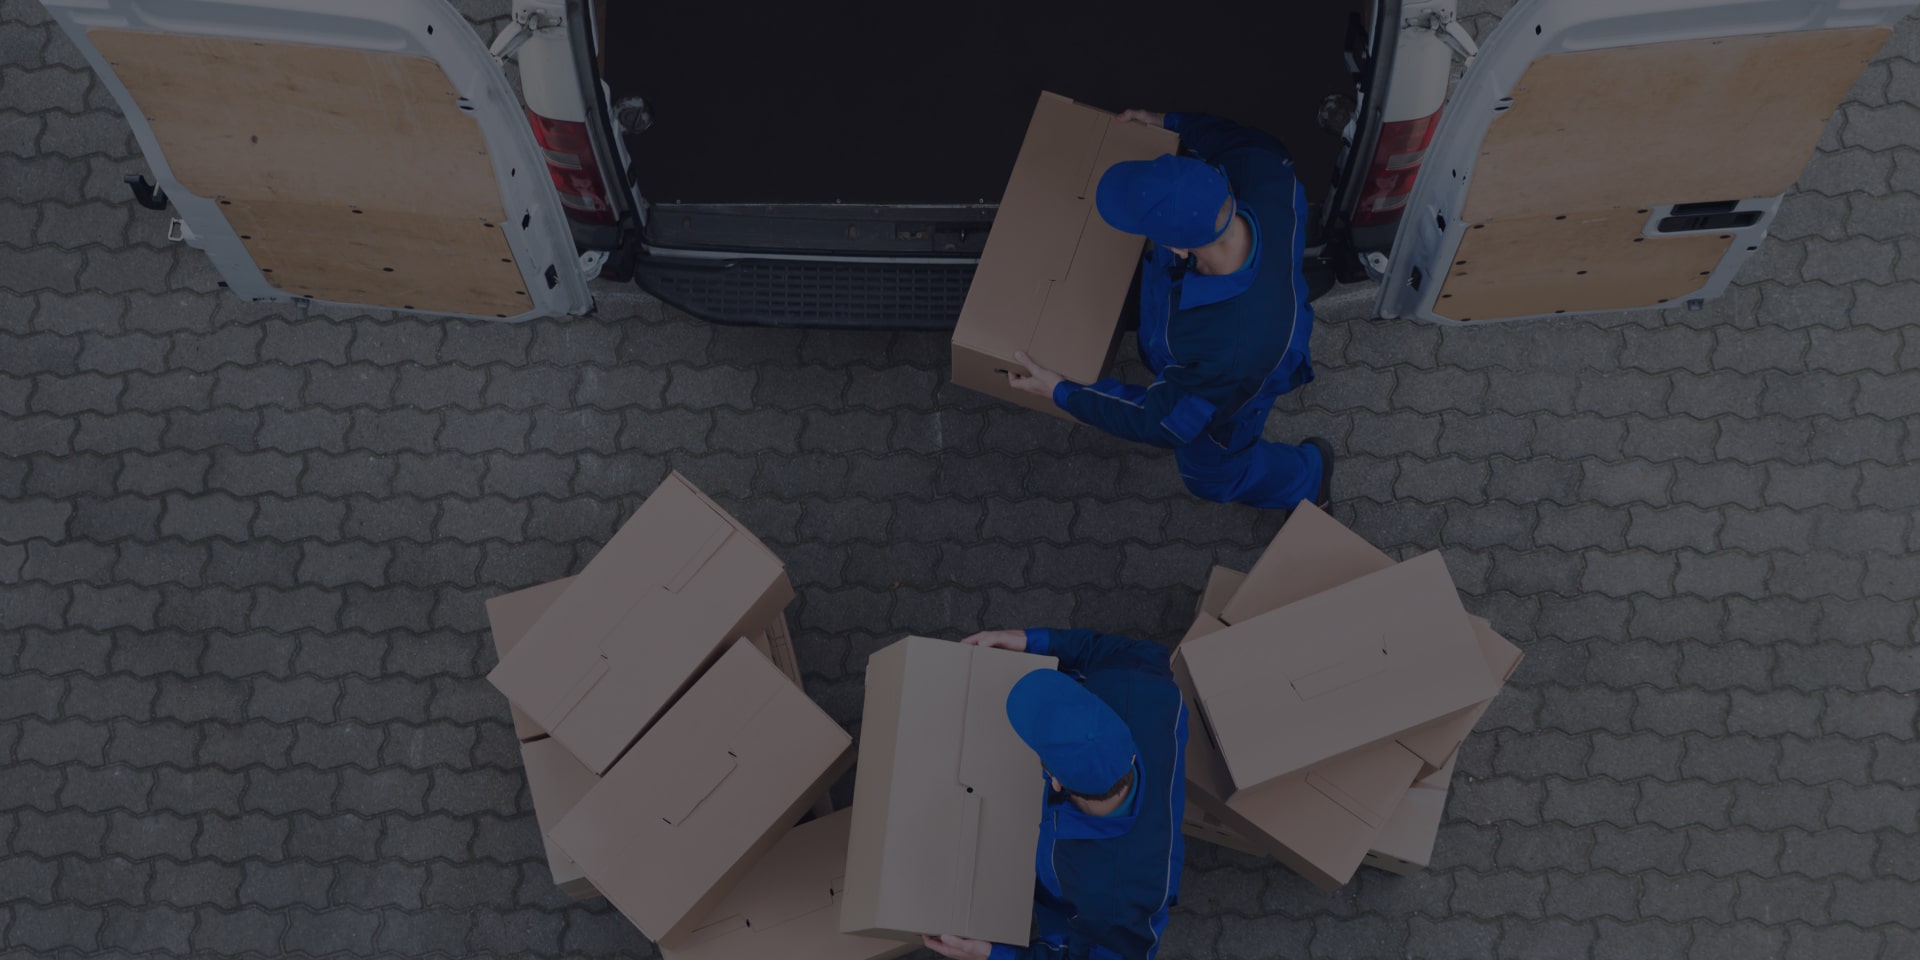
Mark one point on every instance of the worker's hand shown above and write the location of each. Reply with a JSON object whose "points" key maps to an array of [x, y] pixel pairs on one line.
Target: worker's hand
{"points": [[1147, 117], [958, 948], [1038, 380], [1015, 640]]}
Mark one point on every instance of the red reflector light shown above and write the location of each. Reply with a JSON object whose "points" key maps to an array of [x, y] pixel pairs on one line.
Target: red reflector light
{"points": [[573, 169], [1396, 162]]}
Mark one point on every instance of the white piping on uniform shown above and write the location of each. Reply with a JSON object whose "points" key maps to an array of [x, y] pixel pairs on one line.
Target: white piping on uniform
{"points": [[1173, 831]]}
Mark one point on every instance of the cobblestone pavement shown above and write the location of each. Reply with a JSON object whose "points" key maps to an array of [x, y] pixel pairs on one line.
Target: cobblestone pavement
{"points": [[243, 552]]}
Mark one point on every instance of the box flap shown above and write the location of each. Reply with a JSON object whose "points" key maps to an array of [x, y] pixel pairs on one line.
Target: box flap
{"points": [[695, 777], [677, 583], [785, 905], [1311, 554], [1222, 584], [1432, 667], [666, 832], [943, 781], [1437, 741], [966, 858]]}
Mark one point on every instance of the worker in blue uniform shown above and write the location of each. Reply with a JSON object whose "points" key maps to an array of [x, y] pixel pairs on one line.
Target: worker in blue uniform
{"points": [[1224, 314], [1111, 733]]}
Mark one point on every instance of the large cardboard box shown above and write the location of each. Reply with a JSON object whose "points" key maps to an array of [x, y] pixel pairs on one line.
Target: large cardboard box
{"points": [[511, 615], [1053, 276], [787, 906], [1338, 670], [678, 583], [1312, 554], [1405, 844], [946, 807], [1320, 822], [557, 782], [703, 794]]}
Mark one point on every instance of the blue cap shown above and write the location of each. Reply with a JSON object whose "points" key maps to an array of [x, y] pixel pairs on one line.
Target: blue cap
{"points": [[1173, 201], [1080, 740]]}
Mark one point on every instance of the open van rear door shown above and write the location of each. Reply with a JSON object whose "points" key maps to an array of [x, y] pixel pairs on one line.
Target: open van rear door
{"points": [[359, 152], [1621, 155]]}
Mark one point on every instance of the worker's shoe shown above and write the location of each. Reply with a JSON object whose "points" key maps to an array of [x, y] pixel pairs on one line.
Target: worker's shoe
{"points": [[1324, 497]]}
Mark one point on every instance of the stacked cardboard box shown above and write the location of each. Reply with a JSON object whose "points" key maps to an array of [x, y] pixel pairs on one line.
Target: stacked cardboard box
{"points": [[668, 745], [1331, 688], [670, 749]]}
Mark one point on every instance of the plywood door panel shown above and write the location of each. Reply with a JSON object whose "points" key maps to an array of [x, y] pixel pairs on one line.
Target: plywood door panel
{"points": [[1691, 121], [404, 260], [350, 175], [1566, 263]]}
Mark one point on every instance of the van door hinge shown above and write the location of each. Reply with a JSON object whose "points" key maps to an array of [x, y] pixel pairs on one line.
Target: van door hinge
{"points": [[1447, 27], [525, 24]]}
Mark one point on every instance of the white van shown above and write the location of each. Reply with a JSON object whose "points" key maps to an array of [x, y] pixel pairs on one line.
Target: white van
{"points": [[838, 164]]}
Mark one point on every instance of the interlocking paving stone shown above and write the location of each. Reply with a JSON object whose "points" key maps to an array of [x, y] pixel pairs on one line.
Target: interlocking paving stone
{"points": [[246, 546]]}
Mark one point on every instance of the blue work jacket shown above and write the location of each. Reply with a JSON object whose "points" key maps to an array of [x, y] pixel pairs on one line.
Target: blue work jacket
{"points": [[1103, 885], [1222, 347]]}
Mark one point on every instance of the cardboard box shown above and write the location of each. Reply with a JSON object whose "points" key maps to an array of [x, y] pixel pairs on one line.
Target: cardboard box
{"points": [[704, 794], [1053, 276], [1405, 845], [674, 587], [1201, 825], [1322, 822], [946, 808], [511, 615], [1338, 670], [787, 906], [557, 782], [776, 642]]}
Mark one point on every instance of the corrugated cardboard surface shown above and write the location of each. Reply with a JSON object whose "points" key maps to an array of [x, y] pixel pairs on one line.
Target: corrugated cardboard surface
{"points": [[947, 802], [677, 583], [1053, 276], [787, 906], [557, 782], [1337, 670], [511, 615], [712, 786]]}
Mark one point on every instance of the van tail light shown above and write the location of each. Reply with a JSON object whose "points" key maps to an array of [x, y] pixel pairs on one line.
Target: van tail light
{"points": [[575, 172], [1403, 146]]}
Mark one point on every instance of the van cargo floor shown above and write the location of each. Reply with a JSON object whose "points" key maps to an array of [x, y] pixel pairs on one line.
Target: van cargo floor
{"points": [[888, 102]]}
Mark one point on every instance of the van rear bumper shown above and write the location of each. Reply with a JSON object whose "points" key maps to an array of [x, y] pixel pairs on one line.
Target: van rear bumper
{"points": [[763, 291]]}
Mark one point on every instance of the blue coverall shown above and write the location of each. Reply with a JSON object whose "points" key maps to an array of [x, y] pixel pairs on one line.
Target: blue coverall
{"points": [[1104, 884], [1222, 347]]}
